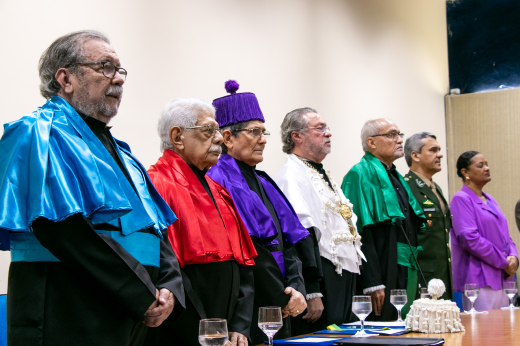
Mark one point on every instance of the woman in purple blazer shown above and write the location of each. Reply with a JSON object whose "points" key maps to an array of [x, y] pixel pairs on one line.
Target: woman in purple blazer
{"points": [[482, 250]]}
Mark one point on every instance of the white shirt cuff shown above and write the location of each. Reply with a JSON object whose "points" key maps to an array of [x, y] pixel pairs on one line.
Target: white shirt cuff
{"points": [[373, 289], [313, 295]]}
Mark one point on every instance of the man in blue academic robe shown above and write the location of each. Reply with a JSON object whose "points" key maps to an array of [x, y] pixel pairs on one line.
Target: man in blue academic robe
{"points": [[91, 260]]}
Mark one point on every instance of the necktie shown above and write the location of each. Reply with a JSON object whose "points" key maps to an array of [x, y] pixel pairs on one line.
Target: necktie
{"points": [[434, 189]]}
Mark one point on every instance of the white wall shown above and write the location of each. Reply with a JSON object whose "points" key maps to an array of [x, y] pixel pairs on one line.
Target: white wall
{"points": [[352, 60]]}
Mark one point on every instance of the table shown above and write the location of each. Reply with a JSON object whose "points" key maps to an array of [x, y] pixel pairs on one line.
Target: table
{"points": [[496, 328]]}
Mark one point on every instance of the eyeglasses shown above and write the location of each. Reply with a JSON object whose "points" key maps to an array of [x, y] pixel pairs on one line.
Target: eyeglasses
{"points": [[109, 69], [391, 136], [322, 128], [208, 130], [257, 132]]}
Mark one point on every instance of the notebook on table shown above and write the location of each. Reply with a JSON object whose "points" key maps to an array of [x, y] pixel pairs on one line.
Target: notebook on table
{"points": [[368, 331], [309, 340], [391, 341]]}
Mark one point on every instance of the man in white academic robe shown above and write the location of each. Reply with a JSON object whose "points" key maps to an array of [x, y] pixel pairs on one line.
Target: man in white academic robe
{"points": [[332, 256]]}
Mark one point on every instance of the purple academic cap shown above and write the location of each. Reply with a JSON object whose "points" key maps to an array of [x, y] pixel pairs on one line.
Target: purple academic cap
{"points": [[235, 108]]}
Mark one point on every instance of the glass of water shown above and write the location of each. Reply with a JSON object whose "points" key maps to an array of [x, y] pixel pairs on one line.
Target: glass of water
{"points": [[471, 291], [399, 299], [425, 294], [270, 321], [362, 307], [510, 289], [213, 332]]}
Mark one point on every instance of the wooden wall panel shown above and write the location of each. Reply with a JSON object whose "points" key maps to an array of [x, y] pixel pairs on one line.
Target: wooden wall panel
{"points": [[488, 122]]}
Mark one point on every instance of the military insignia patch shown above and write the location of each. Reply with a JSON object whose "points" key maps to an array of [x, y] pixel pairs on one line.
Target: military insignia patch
{"points": [[430, 222], [419, 183], [406, 179], [427, 203]]}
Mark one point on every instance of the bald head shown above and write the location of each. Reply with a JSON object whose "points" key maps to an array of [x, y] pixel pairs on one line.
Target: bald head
{"points": [[380, 137]]}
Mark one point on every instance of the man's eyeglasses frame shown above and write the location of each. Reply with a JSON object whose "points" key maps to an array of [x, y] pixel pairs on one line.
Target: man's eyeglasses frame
{"points": [[256, 132], [391, 136], [122, 71], [321, 128], [211, 129]]}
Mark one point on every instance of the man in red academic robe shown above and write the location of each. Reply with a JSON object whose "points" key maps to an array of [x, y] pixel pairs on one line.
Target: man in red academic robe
{"points": [[212, 244]]}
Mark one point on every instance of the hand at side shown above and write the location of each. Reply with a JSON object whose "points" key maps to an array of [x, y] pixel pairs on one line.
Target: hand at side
{"points": [[160, 309], [378, 299]]}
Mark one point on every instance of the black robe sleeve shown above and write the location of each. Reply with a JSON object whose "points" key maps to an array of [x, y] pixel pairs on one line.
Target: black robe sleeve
{"points": [[293, 271], [243, 313], [370, 270], [269, 284], [169, 271], [113, 270], [309, 254]]}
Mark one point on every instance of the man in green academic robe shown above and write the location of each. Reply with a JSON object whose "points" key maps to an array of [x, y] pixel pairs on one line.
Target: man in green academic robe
{"points": [[423, 156], [389, 218]]}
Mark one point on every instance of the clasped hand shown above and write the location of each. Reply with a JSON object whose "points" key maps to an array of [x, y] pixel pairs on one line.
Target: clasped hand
{"points": [[512, 266], [160, 309], [296, 304], [314, 310], [236, 339]]}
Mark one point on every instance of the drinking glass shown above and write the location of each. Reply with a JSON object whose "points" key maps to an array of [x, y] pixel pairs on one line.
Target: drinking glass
{"points": [[213, 332], [362, 307], [471, 291], [399, 299], [510, 289], [270, 321], [424, 293]]}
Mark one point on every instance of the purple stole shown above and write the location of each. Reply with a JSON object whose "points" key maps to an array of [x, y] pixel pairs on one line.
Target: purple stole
{"points": [[252, 210]]}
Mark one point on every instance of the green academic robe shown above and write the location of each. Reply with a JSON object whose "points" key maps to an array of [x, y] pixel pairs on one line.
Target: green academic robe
{"points": [[435, 259], [375, 201]]}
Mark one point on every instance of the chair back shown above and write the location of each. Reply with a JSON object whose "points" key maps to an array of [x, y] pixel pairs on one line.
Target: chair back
{"points": [[3, 320]]}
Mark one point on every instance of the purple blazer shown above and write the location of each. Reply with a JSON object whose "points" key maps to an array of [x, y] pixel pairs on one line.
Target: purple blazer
{"points": [[480, 241]]}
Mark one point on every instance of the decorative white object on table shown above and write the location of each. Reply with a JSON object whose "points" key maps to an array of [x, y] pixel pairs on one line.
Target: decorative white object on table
{"points": [[436, 288], [434, 315]]}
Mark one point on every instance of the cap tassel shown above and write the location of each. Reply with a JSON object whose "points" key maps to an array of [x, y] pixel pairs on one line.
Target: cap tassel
{"points": [[231, 86]]}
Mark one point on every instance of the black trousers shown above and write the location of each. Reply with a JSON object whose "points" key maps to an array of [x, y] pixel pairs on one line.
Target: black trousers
{"points": [[48, 304], [213, 288], [337, 293]]}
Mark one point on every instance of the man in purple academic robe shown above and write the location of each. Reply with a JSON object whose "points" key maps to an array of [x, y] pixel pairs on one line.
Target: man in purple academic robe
{"points": [[267, 214]]}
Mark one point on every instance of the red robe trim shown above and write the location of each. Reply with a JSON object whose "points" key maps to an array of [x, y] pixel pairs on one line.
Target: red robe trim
{"points": [[200, 235]]}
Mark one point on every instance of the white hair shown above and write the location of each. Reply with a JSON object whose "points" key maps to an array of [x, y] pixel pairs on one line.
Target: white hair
{"points": [[370, 128], [182, 113]]}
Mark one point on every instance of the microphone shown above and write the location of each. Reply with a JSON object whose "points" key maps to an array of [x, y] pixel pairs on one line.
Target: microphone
{"points": [[399, 223]]}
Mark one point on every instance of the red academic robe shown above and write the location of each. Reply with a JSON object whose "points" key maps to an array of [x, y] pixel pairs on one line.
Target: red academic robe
{"points": [[213, 248], [200, 234]]}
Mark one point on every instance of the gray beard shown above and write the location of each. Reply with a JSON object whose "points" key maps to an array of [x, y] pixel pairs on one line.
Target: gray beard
{"points": [[101, 111], [318, 150]]}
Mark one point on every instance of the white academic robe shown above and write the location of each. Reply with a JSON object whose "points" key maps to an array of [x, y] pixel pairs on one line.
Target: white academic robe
{"points": [[307, 194]]}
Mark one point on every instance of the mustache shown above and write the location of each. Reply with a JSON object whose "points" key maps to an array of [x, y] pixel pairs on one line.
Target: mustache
{"points": [[215, 148], [399, 146], [114, 90]]}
